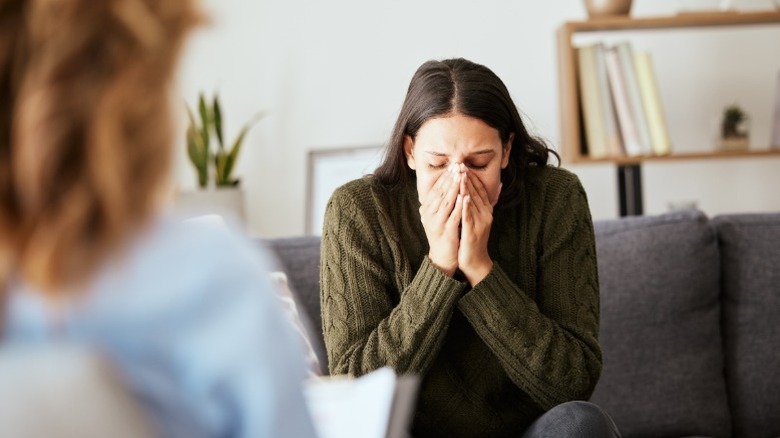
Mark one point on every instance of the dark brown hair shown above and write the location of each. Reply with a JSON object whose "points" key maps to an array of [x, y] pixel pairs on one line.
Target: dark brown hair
{"points": [[85, 128], [461, 86]]}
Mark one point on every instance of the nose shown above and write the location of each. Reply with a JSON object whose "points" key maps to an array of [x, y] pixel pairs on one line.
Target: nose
{"points": [[457, 167]]}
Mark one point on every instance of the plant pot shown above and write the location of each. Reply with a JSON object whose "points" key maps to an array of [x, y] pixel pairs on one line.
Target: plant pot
{"points": [[607, 8], [731, 144], [228, 202]]}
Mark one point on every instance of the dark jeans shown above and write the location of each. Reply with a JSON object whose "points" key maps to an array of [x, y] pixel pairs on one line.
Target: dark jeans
{"points": [[573, 419]]}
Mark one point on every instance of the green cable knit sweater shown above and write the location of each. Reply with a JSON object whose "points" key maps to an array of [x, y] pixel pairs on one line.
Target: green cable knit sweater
{"points": [[493, 357]]}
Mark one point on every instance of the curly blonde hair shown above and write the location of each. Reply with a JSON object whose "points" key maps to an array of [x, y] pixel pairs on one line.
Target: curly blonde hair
{"points": [[85, 129]]}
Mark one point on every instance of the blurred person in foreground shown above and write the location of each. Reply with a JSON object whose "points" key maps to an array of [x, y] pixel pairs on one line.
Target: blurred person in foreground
{"points": [[184, 311]]}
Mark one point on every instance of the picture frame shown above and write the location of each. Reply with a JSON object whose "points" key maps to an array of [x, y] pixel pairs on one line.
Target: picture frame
{"points": [[330, 168]]}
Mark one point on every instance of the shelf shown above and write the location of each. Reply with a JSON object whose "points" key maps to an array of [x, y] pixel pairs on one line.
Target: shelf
{"points": [[679, 156], [569, 88], [682, 20], [629, 169]]}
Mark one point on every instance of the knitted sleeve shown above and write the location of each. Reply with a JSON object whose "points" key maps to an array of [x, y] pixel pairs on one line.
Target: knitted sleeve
{"points": [[367, 323], [548, 347]]}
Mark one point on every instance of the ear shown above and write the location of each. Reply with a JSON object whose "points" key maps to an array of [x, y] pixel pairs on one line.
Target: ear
{"points": [[506, 151], [408, 151]]}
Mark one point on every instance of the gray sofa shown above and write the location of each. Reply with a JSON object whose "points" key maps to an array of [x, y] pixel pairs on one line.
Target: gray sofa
{"points": [[690, 321]]}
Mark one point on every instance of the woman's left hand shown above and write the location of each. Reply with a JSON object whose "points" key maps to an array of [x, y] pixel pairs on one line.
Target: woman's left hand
{"points": [[477, 218]]}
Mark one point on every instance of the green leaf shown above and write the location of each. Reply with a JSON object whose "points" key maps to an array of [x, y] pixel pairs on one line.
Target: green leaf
{"points": [[191, 116], [198, 154], [236, 148], [203, 178], [220, 158], [199, 136], [197, 149], [192, 148], [217, 113], [205, 120], [203, 110]]}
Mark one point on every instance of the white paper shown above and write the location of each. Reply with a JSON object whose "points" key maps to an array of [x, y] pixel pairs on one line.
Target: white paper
{"points": [[343, 407]]}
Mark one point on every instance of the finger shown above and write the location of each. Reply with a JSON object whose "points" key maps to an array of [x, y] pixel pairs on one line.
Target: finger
{"points": [[481, 190], [448, 201], [463, 184], [457, 212], [439, 187], [475, 199], [437, 194], [468, 220]]}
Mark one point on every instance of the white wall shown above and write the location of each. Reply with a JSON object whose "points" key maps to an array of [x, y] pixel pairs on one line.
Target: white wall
{"points": [[333, 74]]}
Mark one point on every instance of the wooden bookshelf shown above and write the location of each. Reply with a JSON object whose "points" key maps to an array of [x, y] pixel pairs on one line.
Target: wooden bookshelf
{"points": [[626, 160], [571, 140]]}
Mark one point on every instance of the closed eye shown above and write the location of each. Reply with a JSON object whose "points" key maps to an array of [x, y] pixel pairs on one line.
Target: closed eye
{"points": [[437, 166]]}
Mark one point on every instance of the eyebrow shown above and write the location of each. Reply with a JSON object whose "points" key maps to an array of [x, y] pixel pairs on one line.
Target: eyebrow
{"points": [[480, 152]]}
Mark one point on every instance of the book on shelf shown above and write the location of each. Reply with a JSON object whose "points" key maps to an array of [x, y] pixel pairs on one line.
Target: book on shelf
{"points": [[625, 54], [620, 94], [775, 141], [376, 405], [651, 99], [590, 103], [601, 130], [614, 141], [620, 103]]}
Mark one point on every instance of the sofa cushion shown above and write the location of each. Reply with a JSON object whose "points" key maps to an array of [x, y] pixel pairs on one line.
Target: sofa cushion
{"points": [[300, 323], [750, 251], [299, 258], [660, 326]]}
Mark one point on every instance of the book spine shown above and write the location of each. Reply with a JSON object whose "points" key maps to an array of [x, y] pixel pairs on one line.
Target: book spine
{"points": [[626, 56], [611, 129], [625, 117], [651, 99], [590, 103]]}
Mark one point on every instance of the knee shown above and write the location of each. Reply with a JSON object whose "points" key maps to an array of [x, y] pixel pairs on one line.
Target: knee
{"points": [[574, 419], [590, 419]]}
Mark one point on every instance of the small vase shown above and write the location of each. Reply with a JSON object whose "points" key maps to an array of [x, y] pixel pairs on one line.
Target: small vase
{"points": [[735, 139], [733, 144], [228, 201], [607, 8]]}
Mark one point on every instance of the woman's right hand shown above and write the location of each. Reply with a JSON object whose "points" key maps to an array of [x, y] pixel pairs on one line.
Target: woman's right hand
{"points": [[440, 213]]}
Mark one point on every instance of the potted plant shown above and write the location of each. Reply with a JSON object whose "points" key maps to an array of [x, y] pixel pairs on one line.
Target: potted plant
{"points": [[733, 129], [219, 190]]}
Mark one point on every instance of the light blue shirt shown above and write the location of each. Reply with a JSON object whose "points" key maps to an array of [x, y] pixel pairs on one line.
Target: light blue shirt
{"points": [[189, 316]]}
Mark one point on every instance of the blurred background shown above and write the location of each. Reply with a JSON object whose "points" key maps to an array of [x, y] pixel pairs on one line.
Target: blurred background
{"points": [[333, 75]]}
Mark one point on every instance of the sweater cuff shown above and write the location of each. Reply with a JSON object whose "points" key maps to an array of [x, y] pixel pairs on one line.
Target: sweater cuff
{"points": [[431, 289], [495, 295]]}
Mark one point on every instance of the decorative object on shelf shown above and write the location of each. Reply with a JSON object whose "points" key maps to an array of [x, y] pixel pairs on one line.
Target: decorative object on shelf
{"points": [[607, 8], [733, 129]]}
